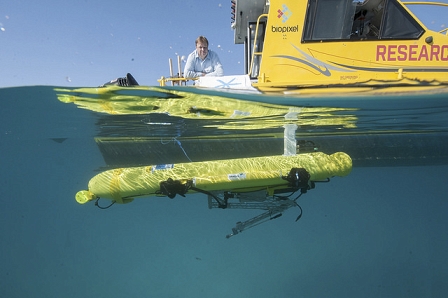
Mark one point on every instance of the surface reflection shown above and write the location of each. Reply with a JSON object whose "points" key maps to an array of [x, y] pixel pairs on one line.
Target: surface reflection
{"points": [[144, 125]]}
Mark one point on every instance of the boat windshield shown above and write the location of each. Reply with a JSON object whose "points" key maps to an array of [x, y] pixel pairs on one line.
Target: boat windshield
{"points": [[329, 20]]}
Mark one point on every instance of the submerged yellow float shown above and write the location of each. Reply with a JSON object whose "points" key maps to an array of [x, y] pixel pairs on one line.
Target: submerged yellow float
{"points": [[236, 175]]}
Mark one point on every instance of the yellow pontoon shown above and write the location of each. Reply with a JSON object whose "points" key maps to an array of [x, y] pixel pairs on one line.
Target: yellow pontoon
{"points": [[237, 175], [249, 183]]}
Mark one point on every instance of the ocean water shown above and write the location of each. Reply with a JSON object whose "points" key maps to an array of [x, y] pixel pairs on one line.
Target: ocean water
{"points": [[378, 232]]}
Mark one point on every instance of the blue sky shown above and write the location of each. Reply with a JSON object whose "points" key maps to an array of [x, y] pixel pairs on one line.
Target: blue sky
{"points": [[86, 43]]}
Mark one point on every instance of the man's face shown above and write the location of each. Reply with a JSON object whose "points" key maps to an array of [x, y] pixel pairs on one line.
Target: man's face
{"points": [[202, 49]]}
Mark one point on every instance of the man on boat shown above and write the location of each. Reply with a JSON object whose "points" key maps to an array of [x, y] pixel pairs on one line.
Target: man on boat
{"points": [[202, 61]]}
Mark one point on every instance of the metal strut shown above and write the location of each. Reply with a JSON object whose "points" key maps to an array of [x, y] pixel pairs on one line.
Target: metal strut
{"points": [[298, 180], [259, 219]]}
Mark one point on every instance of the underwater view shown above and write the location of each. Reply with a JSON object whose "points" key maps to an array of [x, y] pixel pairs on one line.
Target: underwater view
{"points": [[377, 229]]}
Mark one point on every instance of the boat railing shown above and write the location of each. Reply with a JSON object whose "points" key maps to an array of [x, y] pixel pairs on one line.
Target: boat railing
{"points": [[255, 48], [443, 31], [175, 79], [163, 81]]}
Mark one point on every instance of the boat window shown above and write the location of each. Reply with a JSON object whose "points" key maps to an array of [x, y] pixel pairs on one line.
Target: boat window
{"points": [[398, 24], [329, 20]]}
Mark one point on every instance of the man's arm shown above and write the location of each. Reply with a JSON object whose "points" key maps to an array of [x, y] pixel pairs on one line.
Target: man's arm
{"points": [[218, 70]]}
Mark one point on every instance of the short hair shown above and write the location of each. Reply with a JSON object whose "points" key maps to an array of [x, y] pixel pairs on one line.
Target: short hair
{"points": [[201, 39]]}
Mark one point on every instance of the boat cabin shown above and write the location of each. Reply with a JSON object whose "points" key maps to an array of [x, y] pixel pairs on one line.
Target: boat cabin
{"points": [[290, 43]]}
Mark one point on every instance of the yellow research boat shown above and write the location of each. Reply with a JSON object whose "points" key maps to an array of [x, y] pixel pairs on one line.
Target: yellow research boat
{"points": [[305, 49], [335, 47]]}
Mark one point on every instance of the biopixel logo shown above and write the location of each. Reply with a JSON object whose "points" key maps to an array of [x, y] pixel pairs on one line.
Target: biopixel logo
{"points": [[284, 13]]}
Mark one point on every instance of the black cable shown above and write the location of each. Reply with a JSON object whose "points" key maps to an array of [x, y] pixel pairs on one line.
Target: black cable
{"points": [[322, 181], [221, 204], [301, 211], [295, 202], [301, 193], [96, 204], [298, 196]]}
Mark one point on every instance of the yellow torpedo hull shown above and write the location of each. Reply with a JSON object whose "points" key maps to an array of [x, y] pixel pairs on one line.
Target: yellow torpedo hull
{"points": [[237, 175]]}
